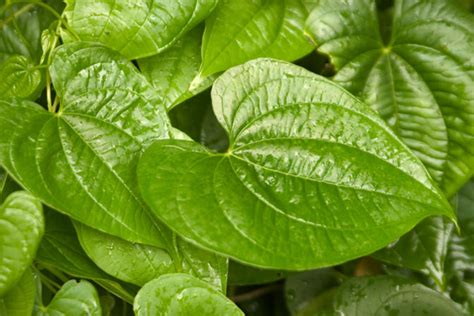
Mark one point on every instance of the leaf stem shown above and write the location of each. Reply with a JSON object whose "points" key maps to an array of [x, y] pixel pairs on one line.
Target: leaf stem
{"points": [[256, 293]]}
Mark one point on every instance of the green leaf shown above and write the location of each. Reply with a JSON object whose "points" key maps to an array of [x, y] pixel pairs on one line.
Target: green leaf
{"points": [[21, 229], [420, 82], [60, 249], [73, 299], [423, 249], [182, 294], [82, 160], [136, 28], [297, 188], [20, 299], [20, 29], [173, 71], [386, 295], [238, 31], [139, 264], [20, 78], [240, 274], [7, 185]]}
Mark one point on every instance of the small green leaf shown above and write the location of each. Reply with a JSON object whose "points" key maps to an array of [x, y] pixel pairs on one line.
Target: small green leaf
{"points": [[173, 71], [240, 274], [19, 301], [20, 78], [139, 264], [257, 29], [386, 295], [21, 229], [420, 81], [182, 294], [297, 187], [136, 28], [73, 299]]}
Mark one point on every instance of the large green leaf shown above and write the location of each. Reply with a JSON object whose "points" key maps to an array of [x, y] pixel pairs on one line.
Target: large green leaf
{"points": [[21, 229], [73, 299], [312, 176], [20, 78], [173, 71], [81, 161], [139, 264], [137, 28], [20, 299], [182, 294], [238, 31], [423, 249], [60, 249], [420, 82], [386, 295]]}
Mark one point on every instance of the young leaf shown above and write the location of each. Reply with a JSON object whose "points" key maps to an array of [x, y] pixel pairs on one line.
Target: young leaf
{"points": [[182, 294], [19, 300], [20, 78], [420, 82], [386, 295], [136, 28], [173, 71], [60, 249], [74, 299], [21, 229], [312, 176], [258, 29], [139, 264], [423, 249], [82, 160]]}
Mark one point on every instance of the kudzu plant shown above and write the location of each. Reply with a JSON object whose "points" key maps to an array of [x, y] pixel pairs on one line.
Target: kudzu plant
{"points": [[236, 157]]}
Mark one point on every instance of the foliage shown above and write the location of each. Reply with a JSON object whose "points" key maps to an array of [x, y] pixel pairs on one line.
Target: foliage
{"points": [[219, 157]]}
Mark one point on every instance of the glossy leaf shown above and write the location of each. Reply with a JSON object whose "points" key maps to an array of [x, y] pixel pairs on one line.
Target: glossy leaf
{"points": [[182, 294], [312, 176], [173, 71], [73, 299], [139, 264], [108, 114], [21, 229], [20, 78], [238, 31], [420, 82], [60, 249], [20, 299], [136, 28], [423, 249], [386, 295]]}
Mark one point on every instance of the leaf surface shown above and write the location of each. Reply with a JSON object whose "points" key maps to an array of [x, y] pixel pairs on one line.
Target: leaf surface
{"points": [[19, 78], [136, 28], [182, 294], [420, 82], [238, 31], [312, 176], [21, 229], [19, 300]]}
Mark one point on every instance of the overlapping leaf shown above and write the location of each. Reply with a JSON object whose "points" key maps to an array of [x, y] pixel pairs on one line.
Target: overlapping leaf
{"points": [[238, 31], [20, 78], [20, 299], [420, 81], [312, 176], [21, 229], [182, 294], [137, 28]]}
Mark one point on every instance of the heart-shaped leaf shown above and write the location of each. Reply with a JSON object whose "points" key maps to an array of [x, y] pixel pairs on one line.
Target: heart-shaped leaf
{"points": [[312, 176], [387, 295], [258, 29], [420, 81], [182, 294], [139, 264], [81, 161], [21, 229], [20, 78], [74, 299], [136, 28], [20, 299]]}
